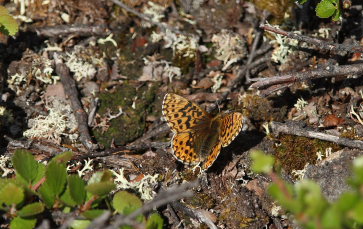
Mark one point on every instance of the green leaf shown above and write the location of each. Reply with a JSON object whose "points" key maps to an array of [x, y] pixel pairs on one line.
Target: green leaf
{"points": [[25, 165], [325, 9], [11, 194], [56, 175], [346, 201], [332, 219], [67, 199], [8, 24], [41, 173], [302, 1], [292, 205], [77, 188], [101, 188], [63, 157], [80, 224], [309, 193], [47, 195], [126, 203], [357, 212], [31, 209], [155, 222], [20, 223], [105, 175], [262, 163], [93, 214]]}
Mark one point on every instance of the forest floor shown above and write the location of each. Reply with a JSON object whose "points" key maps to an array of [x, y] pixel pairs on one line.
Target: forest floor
{"points": [[91, 76]]}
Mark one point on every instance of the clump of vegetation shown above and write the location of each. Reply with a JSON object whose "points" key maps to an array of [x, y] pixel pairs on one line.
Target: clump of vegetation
{"points": [[305, 201], [38, 189]]}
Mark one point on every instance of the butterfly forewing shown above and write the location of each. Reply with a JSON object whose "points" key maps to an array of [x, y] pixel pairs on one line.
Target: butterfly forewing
{"points": [[181, 114], [230, 128]]}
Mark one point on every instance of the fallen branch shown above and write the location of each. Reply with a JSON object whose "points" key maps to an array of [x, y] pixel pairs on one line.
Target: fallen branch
{"points": [[194, 213], [163, 198], [320, 44], [70, 90], [292, 129], [79, 30], [330, 71]]}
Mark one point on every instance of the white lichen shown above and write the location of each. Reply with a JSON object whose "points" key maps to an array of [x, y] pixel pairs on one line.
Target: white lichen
{"points": [[229, 47], [60, 122], [109, 38], [145, 186], [300, 174], [40, 72], [155, 70], [6, 166], [283, 48], [154, 11], [300, 104], [183, 45], [217, 79], [80, 68], [87, 167]]}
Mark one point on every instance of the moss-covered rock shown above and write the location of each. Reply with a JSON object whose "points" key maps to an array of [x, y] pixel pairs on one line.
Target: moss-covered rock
{"points": [[136, 103]]}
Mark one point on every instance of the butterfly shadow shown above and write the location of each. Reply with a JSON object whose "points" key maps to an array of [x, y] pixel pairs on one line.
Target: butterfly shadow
{"points": [[242, 143]]}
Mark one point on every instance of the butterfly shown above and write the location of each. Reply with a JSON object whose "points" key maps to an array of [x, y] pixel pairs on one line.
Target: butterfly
{"points": [[198, 136]]}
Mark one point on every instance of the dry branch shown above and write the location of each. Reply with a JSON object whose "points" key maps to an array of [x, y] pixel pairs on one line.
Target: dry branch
{"points": [[330, 71], [320, 44], [292, 129], [80, 30], [70, 90]]}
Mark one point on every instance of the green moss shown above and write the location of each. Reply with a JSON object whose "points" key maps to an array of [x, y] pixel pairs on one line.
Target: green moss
{"points": [[201, 200], [131, 124], [260, 109], [294, 152]]}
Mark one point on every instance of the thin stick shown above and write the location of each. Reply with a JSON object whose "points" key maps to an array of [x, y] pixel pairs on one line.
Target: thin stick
{"points": [[330, 71], [320, 44], [292, 129], [164, 197], [70, 90], [65, 30]]}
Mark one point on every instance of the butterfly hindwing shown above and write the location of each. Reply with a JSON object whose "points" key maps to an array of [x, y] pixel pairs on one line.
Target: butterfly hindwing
{"points": [[212, 156], [183, 148], [181, 114]]}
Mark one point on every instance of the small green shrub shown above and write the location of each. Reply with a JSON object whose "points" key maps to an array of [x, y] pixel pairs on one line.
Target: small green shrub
{"points": [[306, 202], [38, 188]]}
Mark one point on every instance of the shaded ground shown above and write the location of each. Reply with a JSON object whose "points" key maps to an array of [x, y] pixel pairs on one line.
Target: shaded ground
{"points": [[123, 66]]}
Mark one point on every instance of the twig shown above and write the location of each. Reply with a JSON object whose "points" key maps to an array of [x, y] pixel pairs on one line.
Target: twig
{"points": [[330, 71], [194, 213], [141, 146], [161, 129], [322, 45], [164, 197], [65, 30], [100, 221], [70, 90], [292, 129]]}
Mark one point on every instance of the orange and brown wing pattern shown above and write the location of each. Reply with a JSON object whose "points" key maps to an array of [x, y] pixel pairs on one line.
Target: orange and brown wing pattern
{"points": [[181, 114], [183, 148], [230, 127], [212, 156]]}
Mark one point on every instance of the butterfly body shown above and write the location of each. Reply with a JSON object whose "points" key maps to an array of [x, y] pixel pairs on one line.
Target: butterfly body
{"points": [[198, 136]]}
